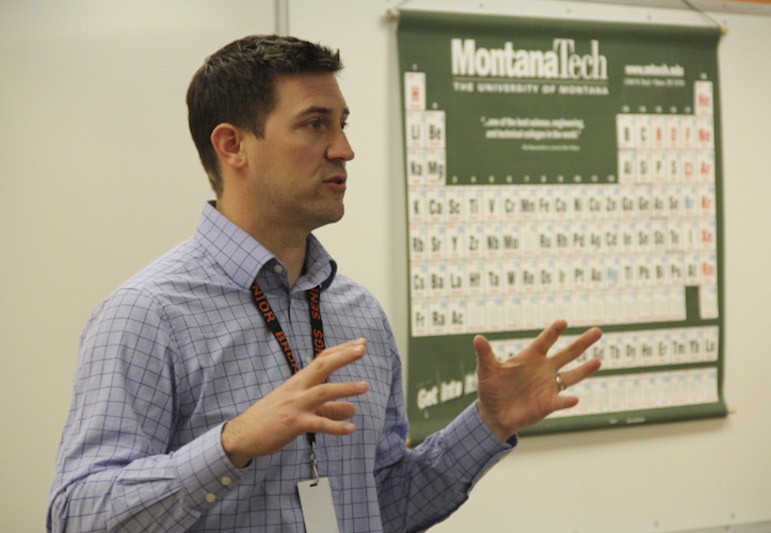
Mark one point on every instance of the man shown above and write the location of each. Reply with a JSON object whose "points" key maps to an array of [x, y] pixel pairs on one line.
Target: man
{"points": [[198, 405]]}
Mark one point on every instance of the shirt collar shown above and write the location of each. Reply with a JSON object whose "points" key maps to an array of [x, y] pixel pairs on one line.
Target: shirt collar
{"points": [[242, 257]]}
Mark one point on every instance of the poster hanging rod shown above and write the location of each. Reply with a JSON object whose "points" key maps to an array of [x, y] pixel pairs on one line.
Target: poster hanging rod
{"points": [[393, 14], [714, 6]]}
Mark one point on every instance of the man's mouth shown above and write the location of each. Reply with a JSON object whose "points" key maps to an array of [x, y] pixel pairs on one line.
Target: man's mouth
{"points": [[337, 180]]}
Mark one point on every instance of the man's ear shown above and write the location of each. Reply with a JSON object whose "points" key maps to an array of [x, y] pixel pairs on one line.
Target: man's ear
{"points": [[228, 142]]}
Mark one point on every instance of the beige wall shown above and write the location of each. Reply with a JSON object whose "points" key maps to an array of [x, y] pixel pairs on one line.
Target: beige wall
{"points": [[100, 177]]}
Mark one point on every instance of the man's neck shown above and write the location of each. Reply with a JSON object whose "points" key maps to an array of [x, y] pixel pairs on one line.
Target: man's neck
{"points": [[289, 246]]}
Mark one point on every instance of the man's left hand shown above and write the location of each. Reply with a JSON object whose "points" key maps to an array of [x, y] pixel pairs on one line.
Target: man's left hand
{"points": [[523, 390]]}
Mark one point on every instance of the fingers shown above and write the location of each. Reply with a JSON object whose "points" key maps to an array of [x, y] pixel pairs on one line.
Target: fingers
{"points": [[331, 350], [485, 355], [332, 359], [577, 347], [576, 375], [549, 336], [330, 392], [572, 352], [566, 402], [330, 427], [336, 410], [320, 396], [330, 418]]}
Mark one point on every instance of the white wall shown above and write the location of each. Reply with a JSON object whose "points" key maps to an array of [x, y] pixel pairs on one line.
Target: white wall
{"points": [[100, 177]]}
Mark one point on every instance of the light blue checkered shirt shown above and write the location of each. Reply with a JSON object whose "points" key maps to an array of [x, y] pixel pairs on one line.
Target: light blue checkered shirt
{"points": [[180, 348]]}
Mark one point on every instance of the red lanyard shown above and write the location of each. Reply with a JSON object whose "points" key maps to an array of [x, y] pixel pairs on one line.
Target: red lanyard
{"points": [[271, 322], [317, 339]]}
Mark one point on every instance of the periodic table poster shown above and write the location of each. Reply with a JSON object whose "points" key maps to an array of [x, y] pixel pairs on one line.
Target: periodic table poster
{"points": [[563, 169]]}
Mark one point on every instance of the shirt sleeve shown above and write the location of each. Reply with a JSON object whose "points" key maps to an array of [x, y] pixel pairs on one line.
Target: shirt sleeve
{"points": [[420, 487], [115, 469]]}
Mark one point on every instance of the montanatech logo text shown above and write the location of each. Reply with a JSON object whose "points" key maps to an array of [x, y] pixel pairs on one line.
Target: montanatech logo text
{"points": [[560, 63]]}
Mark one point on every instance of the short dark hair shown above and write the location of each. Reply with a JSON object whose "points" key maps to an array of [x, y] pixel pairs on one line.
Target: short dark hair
{"points": [[237, 85]]}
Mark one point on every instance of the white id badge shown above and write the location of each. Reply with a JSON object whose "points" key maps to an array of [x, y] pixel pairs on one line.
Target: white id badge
{"points": [[317, 505]]}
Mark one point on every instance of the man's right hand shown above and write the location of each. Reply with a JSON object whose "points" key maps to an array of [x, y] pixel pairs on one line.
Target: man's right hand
{"points": [[305, 403]]}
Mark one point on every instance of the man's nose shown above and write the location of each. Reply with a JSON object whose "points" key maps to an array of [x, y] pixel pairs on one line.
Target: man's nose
{"points": [[340, 148]]}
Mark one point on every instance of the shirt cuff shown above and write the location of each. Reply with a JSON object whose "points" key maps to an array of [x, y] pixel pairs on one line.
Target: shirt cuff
{"points": [[473, 446], [204, 470]]}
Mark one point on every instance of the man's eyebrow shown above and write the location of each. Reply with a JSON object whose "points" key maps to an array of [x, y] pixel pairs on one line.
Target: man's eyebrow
{"points": [[313, 110]]}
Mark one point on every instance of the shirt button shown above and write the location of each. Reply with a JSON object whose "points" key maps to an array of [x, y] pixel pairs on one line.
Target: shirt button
{"points": [[278, 269], [226, 481], [211, 497]]}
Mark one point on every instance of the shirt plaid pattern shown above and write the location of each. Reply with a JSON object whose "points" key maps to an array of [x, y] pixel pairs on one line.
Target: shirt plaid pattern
{"points": [[180, 349]]}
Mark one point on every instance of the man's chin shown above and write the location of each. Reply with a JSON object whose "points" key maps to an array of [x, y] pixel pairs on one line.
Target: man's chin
{"points": [[329, 218]]}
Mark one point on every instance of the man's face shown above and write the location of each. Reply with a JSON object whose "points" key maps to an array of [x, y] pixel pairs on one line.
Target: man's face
{"points": [[298, 176]]}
